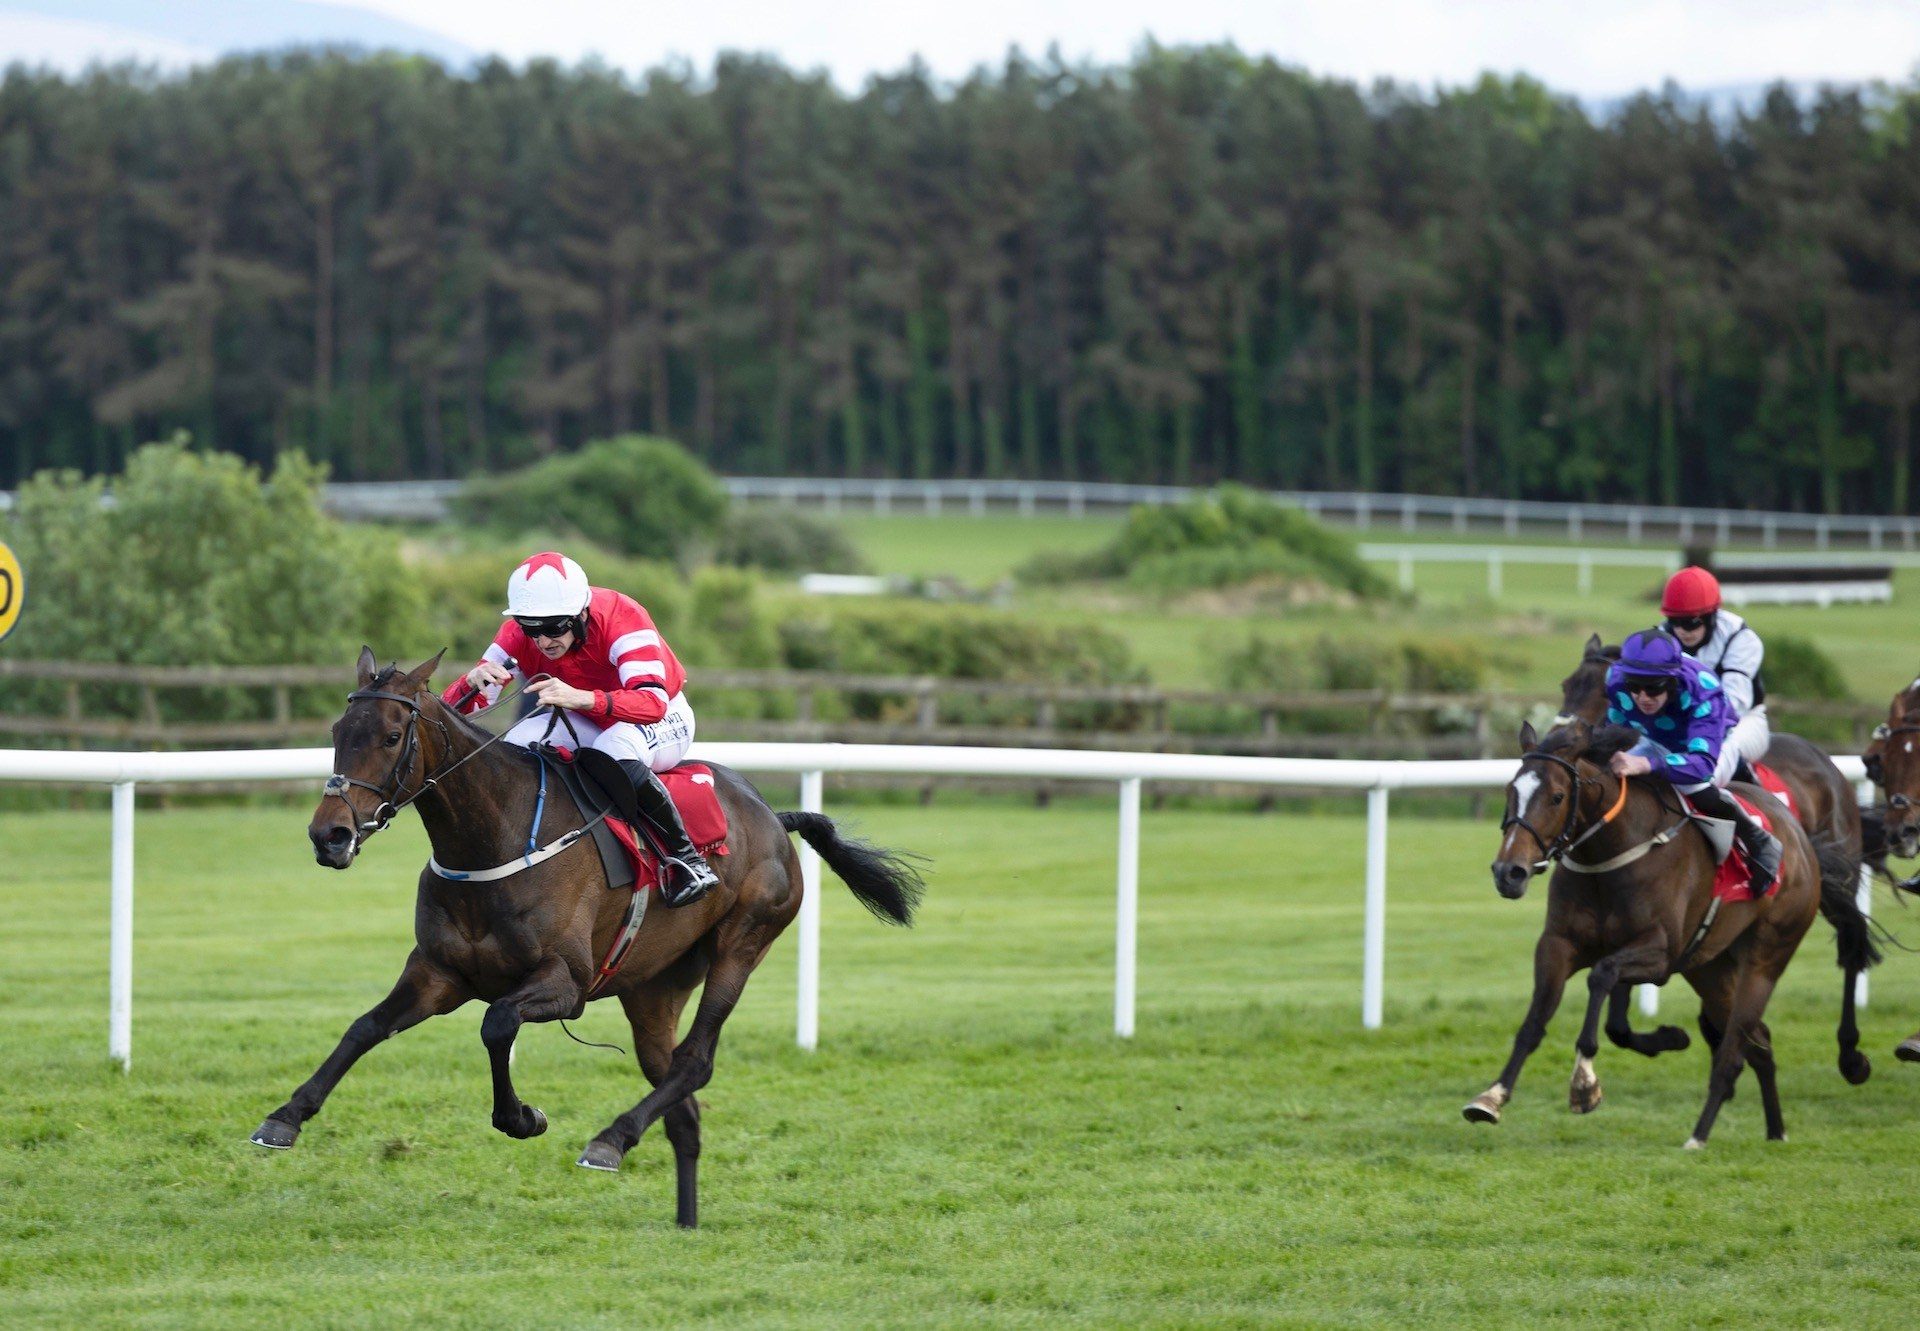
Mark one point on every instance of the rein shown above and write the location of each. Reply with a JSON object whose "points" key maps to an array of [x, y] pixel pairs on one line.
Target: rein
{"points": [[1561, 847]]}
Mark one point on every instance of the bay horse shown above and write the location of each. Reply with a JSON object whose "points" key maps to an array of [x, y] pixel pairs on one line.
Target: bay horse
{"points": [[1894, 766], [1637, 906], [1826, 806], [530, 944]]}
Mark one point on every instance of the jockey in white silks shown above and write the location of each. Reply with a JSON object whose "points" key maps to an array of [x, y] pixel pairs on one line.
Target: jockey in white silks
{"points": [[605, 662], [1725, 644]]}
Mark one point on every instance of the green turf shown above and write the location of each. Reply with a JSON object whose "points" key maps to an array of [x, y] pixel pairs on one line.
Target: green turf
{"points": [[970, 1145]]}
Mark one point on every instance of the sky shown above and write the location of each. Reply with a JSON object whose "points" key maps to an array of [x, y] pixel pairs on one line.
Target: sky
{"points": [[1591, 48]]}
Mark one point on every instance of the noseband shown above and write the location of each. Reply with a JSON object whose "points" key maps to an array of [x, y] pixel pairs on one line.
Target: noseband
{"points": [[1566, 840]]}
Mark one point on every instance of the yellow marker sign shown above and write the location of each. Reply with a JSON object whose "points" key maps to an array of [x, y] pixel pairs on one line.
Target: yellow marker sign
{"points": [[13, 590]]}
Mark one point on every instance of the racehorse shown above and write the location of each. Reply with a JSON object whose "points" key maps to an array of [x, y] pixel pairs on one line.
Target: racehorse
{"points": [[1893, 765], [530, 944], [1825, 805], [1638, 905]]}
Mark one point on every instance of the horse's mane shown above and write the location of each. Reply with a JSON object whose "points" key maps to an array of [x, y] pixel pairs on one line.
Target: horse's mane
{"points": [[1600, 744], [1608, 654]]}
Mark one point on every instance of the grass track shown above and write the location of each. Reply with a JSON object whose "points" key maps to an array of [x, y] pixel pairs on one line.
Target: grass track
{"points": [[968, 1147]]}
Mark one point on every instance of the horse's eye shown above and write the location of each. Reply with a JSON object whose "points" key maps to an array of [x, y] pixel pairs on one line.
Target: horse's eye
{"points": [[393, 738], [1559, 797]]}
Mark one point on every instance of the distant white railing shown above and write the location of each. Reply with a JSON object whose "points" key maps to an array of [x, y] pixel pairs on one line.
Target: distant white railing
{"points": [[123, 771]]}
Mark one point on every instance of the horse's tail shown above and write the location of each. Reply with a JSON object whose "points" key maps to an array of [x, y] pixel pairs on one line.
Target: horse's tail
{"points": [[1856, 937], [1873, 841], [887, 882]]}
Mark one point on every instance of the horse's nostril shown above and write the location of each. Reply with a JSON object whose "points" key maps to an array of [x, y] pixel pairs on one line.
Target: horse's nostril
{"points": [[334, 838]]}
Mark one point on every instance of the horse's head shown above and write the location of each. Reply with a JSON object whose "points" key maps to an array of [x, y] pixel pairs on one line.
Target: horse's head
{"points": [[376, 750], [1583, 694], [1546, 800], [1893, 763]]}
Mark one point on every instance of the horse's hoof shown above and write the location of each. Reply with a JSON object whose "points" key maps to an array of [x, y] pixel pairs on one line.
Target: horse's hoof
{"points": [[530, 1123], [1481, 1109], [599, 1155], [536, 1122], [1855, 1067], [1782, 1137], [1673, 1039], [1584, 1099], [1694, 1144], [275, 1135], [1908, 1050]]}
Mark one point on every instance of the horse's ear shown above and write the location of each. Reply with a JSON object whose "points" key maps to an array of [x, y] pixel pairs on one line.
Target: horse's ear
{"points": [[367, 666], [420, 674], [1528, 740], [1595, 646]]}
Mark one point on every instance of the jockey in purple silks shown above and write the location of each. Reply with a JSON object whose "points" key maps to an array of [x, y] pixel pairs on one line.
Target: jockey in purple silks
{"points": [[1684, 717]]}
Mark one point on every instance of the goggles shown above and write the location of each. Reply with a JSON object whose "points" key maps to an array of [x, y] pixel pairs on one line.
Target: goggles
{"points": [[554, 626], [1648, 687], [1688, 622]]}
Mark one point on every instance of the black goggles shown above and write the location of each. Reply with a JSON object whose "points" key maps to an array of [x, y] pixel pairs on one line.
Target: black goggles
{"points": [[554, 627], [1654, 687], [1688, 622]]}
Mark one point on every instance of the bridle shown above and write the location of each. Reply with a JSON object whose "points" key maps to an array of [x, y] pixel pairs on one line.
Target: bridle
{"points": [[1566, 840], [1877, 769], [389, 788]]}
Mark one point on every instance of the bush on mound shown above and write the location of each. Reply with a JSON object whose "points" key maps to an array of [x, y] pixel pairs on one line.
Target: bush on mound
{"points": [[785, 540], [635, 494], [1231, 536]]}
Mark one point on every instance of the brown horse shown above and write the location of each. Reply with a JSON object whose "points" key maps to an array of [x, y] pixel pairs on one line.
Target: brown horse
{"points": [[1893, 764], [530, 944], [1631, 901], [1827, 809]]}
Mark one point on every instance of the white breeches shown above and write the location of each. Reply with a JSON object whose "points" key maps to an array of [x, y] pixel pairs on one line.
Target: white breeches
{"points": [[660, 745], [1750, 737]]}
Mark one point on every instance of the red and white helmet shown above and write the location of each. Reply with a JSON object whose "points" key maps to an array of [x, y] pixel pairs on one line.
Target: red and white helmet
{"points": [[546, 586], [1691, 591]]}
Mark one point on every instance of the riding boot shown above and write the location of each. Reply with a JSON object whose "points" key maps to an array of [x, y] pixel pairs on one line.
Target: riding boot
{"points": [[1762, 847], [688, 875]]}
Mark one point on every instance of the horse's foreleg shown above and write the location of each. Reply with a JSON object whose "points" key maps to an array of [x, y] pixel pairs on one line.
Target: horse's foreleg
{"points": [[1643, 959], [547, 994], [1661, 1040], [1751, 991], [1552, 963], [421, 992]]}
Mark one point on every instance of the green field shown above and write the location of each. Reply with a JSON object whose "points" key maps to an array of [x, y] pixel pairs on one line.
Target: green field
{"points": [[969, 1146], [1532, 632]]}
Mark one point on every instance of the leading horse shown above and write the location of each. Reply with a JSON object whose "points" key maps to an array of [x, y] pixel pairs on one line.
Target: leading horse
{"points": [[529, 944]]}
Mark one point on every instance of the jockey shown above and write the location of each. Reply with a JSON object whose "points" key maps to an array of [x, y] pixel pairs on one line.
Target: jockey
{"points": [[1683, 716], [1726, 645], [607, 664]]}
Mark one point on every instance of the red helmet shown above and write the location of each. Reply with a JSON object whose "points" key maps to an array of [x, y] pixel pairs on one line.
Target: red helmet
{"points": [[1691, 591]]}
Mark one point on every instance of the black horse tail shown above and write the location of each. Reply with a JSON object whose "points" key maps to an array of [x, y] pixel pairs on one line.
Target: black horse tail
{"points": [[1856, 937], [887, 882], [1873, 841]]}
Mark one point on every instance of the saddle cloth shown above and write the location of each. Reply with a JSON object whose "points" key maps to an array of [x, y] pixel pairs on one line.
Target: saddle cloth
{"points": [[1732, 876], [690, 785], [1769, 780]]}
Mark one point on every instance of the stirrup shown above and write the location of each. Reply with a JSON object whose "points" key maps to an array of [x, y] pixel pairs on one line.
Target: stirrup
{"points": [[682, 882]]}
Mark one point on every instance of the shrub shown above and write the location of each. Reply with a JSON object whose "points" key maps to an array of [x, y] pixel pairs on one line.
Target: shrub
{"points": [[1443, 665], [784, 540], [1799, 671], [1219, 566], [635, 494]]}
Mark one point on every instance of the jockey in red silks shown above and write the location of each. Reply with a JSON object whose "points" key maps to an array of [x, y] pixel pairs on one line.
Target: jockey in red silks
{"points": [[1725, 644], [606, 663]]}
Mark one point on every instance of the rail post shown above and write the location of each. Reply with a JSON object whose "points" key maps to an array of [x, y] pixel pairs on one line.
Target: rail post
{"points": [[807, 1019], [1374, 962], [120, 932], [1126, 927]]}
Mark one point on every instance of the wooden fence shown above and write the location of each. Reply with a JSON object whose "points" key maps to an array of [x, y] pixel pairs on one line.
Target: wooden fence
{"points": [[82, 705]]}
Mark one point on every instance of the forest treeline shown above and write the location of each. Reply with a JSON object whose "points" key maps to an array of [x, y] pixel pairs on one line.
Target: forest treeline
{"points": [[1199, 266]]}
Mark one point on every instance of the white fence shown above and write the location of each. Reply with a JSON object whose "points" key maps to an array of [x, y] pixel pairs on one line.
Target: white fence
{"points": [[123, 771], [1585, 559]]}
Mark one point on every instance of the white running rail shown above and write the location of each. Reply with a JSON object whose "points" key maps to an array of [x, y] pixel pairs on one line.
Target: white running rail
{"points": [[123, 772]]}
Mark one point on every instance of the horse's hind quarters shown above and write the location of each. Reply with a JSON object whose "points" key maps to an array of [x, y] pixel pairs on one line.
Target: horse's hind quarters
{"points": [[1510, 878]]}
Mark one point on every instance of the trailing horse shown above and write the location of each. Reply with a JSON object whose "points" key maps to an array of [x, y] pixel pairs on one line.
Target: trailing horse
{"points": [[530, 944], [1632, 901], [1827, 809], [1894, 766]]}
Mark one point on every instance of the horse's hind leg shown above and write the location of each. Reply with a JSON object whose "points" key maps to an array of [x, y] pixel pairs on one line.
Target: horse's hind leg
{"points": [[1660, 1040], [421, 992], [1760, 1054], [1751, 991], [654, 1014], [1645, 959], [1552, 963], [548, 994]]}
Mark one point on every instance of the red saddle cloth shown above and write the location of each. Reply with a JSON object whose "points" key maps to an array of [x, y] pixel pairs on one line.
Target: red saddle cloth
{"points": [[1770, 782], [691, 786], [1733, 879]]}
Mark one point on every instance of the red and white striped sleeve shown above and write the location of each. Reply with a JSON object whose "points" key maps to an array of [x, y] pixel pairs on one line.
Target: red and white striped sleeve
{"points": [[471, 701], [649, 675]]}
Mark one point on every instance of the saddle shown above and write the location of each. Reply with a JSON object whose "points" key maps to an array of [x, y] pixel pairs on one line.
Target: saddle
{"points": [[1733, 876], [628, 850]]}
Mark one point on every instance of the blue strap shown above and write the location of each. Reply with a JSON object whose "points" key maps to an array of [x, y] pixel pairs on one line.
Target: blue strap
{"points": [[540, 806]]}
